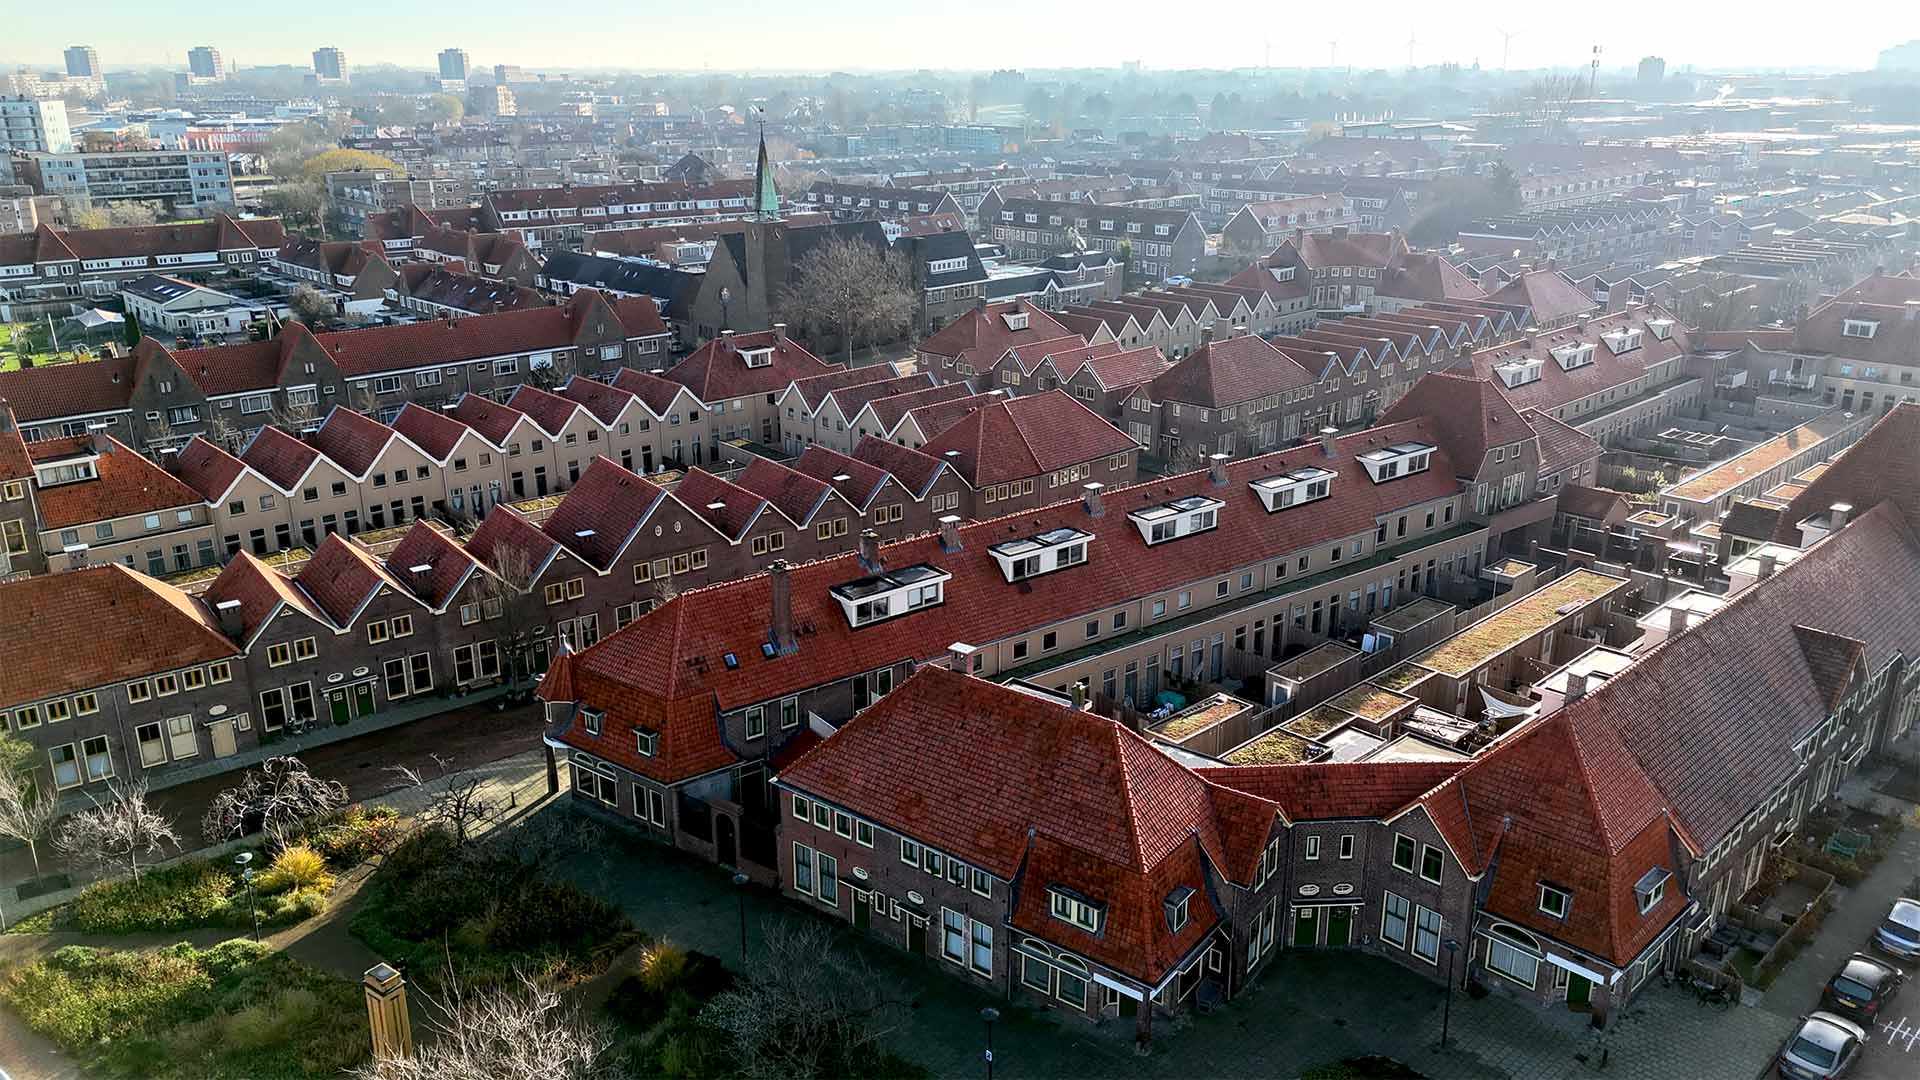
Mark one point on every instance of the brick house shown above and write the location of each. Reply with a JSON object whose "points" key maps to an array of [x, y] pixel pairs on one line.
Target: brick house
{"points": [[967, 347]]}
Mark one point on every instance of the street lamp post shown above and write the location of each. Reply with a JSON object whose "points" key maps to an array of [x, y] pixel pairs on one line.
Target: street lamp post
{"points": [[726, 298], [246, 874], [1446, 1017], [740, 889], [989, 1014]]}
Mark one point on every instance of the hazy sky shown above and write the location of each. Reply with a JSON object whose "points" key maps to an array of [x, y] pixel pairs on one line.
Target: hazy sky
{"points": [[654, 35]]}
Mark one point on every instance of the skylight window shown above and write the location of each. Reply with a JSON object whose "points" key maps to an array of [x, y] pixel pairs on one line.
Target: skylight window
{"points": [[1181, 517], [897, 592], [1292, 488], [1031, 556]]}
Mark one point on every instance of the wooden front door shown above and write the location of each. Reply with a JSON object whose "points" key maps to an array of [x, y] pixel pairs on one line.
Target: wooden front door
{"points": [[222, 733], [862, 911], [337, 703], [363, 699], [1579, 992], [1340, 927], [916, 936], [1306, 927]]}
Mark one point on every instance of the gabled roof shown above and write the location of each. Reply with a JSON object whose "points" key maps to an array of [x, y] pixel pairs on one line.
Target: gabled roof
{"points": [[796, 495], [916, 470], [280, 457], [56, 390], [448, 565], [507, 544], [1561, 445], [856, 481], [599, 514], [97, 626], [888, 411], [549, 410], [1014, 438], [982, 334], [1222, 373], [656, 393], [261, 591], [728, 507], [1556, 386], [207, 468], [1546, 293], [493, 421], [1471, 415], [342, 576], [1337, 791], [1060, 798], [352, 441], [430, 429], [1127, 368], [717, 371], [1594, 504], [127, 485], [813, 390], [1881, 467], [604, 401]]}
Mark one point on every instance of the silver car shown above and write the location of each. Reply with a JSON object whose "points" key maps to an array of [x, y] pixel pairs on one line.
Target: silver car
{"points": [[1824, 1047], [1899, 935]]}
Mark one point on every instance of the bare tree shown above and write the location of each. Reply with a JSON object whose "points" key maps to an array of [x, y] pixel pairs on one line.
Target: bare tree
{"points": [[810, 1009], [555, 371], [310, 305], [280, 798], [507, 1033], [116, 832], [506, 597], [27, 810], [455, 800], [852, 290]]}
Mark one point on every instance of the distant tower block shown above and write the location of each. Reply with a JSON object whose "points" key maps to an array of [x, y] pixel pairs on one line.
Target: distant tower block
{"points": [[387, 1012]]}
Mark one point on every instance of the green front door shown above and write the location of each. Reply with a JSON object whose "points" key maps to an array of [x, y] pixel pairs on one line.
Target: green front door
{"points": [[1305, 927], [1579, 992], [337, 701], [1340, 927], [862, 911], [363, 699]]}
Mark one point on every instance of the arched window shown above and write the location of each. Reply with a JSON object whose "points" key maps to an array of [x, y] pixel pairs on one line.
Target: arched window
{"points": [[1511, 952], [1036, 974], [1073, 981]]}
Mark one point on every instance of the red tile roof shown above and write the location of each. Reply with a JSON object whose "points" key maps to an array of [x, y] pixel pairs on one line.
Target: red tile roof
{"points": [[429, 429], [1879, 299], [916, 470], [728, 507], [716, 371], [1881, 467], [1057, 797], [656, 393], [352, 441], [128, 485], [889, 411], [1470, 415], [1027, 436], [1330, 791], [56, 390], [1222, 373], [260, 591], [1127, 368], [279, 457], [1547, 293], [449, 565], [981, 335], [813, 390], [1561, 445], [207, 468], [1591, 503], [506, 539], [342, 576], [796, 495], [1556, 386], [545, 408], [599, 515], [494, 422], [856, 481], [98, 626]]}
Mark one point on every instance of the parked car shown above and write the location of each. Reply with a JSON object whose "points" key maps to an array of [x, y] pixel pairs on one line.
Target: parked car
{"points": [[1861, 988], [1899, 935], [1824, 1047]]}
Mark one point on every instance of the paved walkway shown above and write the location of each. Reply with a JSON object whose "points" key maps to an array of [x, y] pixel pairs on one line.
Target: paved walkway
{"points": [[1310, 1008], [518, 784]]}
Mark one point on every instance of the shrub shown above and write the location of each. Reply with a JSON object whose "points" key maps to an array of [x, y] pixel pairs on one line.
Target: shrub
{"points": [[297, 867], [355, 835], [661, 966], [183, 896]]}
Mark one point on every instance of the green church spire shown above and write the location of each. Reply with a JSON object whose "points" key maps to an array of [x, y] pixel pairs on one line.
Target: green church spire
{"points": [[766, 200]]}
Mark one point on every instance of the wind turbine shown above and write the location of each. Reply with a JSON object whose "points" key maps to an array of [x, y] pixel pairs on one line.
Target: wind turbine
{"points": [[1506, 43]]}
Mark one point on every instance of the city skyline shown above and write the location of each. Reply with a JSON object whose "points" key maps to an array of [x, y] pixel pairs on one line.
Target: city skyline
{"points": [[862, 35]]}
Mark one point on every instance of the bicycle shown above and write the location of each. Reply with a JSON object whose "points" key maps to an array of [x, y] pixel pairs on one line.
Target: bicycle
{"points": [[1718, 998]]}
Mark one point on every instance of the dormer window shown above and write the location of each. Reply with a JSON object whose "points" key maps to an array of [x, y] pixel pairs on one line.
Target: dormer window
{"points": [[1554, 901], [645, 742], [66, 472], [1520, 371], [1172, 520], [1860, 328], [1621, 341], [1661, 329], [1070, 907], [896, 592], [1015, 320], [1302, 485], [1400, 459], [757, 358], [1281, 273], [1032, 556], [1575, 355], [1176, 908], [592, 719], [1650, 889]]}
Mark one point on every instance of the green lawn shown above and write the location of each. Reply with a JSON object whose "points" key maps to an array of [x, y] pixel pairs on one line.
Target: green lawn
{"points": [[39, 345]]}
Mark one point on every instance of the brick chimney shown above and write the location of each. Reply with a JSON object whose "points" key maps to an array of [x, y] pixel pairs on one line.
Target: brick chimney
{"points": [[950, 533], [1837, 514], [780, 631], [870, 550], [1766, 562], [960, 657], [1326, 440], [231, 624], [1576, 685], [6, 417], [726, 341], [1096, 507], [1676, 621], [1217, 469], [779, 332], [1206, 334], [1338, 232]]}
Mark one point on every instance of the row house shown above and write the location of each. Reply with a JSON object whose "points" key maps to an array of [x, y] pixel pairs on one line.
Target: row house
{"points": [[494, 256], [1257, 228], [159, 398], [948, 274], [964, 349], [1101, 376], [437, 293], [49, 268], [1498, 455], [354, 274], [546, 219], [1162, 243], [882, 202], [1551, 299], [1224, 554], [175, 682], [1622, 233], [1362, 272], [1065, 189], [1707, 494], [1613, 376], [1059, 281], [740, 378]]}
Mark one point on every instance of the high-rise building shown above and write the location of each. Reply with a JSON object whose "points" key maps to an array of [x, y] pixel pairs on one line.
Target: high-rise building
{"points": [[507, 74], [330, 63], [35, 125], [453, 63], [205, 62], [1652, 70], [83, 61]]}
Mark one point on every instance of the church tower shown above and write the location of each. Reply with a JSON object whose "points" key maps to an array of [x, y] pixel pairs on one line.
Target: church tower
{"points": [[766, 200]]}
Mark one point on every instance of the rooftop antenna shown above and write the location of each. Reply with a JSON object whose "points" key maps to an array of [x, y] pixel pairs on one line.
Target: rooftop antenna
{"points": [[1593, 79], [1506, 44], [1411, 42]]}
